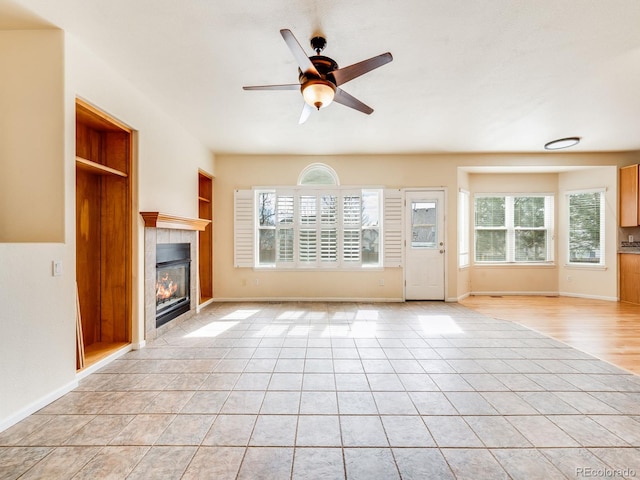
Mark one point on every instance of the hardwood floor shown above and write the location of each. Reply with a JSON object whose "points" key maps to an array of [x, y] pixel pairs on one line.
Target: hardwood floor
{"points": [[607, 330]]}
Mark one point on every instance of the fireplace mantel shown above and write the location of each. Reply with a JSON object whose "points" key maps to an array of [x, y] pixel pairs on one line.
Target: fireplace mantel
{"points": [[164, 220]]}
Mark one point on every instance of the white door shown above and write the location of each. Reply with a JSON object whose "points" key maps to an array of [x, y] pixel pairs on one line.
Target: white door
{"points": [[425, 247]]}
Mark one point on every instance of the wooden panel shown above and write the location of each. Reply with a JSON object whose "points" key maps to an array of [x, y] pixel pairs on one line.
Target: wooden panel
{"points": [[88, 143], [629, 211], [97, 168], [629, 278], [116, 150], [87, 255], [115, 233]]}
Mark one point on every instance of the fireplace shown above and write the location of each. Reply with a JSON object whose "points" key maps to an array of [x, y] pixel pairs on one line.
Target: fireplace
{"points": [[173, 283]]}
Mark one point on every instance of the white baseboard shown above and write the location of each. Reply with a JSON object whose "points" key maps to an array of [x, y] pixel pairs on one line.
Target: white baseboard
{"points": [[139, 345], [37, 405], [590, 297], [85, 372], [511, 293], [460, 298], [546, 294], [308, 299]]}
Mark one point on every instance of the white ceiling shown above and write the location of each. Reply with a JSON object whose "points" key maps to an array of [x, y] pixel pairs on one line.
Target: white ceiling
{"points": [[467, 75]]}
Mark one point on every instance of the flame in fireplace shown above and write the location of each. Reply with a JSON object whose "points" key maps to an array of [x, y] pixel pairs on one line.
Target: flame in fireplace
{"points": [[165, 287]]}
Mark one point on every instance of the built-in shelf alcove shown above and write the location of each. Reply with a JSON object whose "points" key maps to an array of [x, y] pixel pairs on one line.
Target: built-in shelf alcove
{"points": [[103, 233]]}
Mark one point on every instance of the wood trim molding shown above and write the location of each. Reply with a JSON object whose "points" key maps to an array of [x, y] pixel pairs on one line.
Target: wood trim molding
{"points": [[164, 220]]}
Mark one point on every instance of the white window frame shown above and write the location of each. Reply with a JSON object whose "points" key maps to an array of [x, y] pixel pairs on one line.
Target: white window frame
{"points": [[463, 228], [321, 227], [510, 229], [601, 263]]}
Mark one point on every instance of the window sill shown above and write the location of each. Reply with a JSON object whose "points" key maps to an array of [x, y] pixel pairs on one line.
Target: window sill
{"points": [[318, 269], [577, 266], [515, 265]]}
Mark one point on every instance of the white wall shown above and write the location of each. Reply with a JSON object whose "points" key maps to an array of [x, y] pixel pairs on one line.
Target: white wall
{"points": [[37, 345], [37, 319]]}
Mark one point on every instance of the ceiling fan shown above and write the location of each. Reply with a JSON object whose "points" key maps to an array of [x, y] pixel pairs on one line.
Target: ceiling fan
{"points": [[320, 78]]}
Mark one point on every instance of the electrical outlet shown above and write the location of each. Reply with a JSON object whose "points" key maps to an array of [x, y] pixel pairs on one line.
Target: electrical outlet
{"points": [[381, 282], [630, 238]]}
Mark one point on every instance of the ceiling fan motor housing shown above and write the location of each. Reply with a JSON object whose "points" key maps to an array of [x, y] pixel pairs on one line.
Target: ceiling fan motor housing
{"points": [[325, 67]]}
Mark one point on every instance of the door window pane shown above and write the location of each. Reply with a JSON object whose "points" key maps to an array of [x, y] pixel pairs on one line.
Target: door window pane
{"points": [[424, 232]]}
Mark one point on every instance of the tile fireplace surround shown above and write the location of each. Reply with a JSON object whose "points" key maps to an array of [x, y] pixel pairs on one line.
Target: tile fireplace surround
{"points": [[161, 229]]}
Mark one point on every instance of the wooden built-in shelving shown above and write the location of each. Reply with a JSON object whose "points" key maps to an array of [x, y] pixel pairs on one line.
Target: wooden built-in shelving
{"points": [[103, 231], [205, 237], [97, 168]]}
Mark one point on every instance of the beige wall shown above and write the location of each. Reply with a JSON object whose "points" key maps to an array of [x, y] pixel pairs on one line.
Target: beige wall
{"points": [[487, 280], [31, 136], [593, 282], [400, 171]]}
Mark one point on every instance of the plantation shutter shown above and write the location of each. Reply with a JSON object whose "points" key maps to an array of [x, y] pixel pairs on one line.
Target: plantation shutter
{"points": [[308, 229], [284, 228], [243, 229], [328, 228], [393, 209], [351, 227]]}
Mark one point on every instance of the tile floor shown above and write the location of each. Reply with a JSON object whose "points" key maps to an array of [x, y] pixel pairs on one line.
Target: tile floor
{"points": [[339, 390]]}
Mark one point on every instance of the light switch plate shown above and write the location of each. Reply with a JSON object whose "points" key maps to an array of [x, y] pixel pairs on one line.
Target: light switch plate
{"points": [[57, 268]]}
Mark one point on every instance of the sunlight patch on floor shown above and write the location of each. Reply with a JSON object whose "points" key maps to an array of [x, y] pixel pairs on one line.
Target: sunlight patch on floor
{"points": [[299, 331], [240, 314], [272, 331], [438, 324], [212, 329], [291, 315]]}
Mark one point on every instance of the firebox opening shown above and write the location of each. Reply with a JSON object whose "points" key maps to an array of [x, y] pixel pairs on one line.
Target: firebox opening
{"points": [[173, 266]]}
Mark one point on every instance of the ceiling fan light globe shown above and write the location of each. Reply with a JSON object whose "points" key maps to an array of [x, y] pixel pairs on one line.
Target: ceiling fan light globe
{"points": [[318, 94]]}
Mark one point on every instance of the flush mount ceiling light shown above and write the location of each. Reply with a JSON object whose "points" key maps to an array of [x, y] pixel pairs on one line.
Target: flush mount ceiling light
{"points": [[562, 143]]}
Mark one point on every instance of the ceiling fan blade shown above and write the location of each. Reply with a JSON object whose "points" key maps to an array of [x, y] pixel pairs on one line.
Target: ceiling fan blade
{"points": [[347, 100], [286, 86], [343, 75], [306, 111], [298, 52]]}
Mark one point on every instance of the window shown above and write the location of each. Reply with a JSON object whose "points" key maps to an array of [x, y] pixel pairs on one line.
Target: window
{"points": [[317, 227], [513, 229], [463, 228], [586, 227]]}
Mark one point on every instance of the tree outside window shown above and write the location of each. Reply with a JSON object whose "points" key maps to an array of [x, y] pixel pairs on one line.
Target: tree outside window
{"points": [[586, 228]]}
